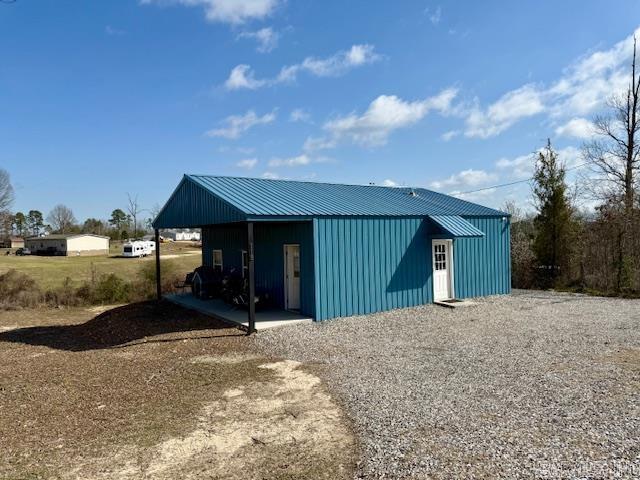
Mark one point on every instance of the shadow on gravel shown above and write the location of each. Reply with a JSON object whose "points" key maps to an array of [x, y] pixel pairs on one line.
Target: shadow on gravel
{"points": [[120, 326]]}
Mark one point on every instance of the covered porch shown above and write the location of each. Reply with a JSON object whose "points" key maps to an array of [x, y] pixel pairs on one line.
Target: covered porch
{"points": [[216, 308]]}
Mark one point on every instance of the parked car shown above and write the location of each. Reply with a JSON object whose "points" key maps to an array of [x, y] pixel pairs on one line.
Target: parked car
{"points": [[21, 252]]}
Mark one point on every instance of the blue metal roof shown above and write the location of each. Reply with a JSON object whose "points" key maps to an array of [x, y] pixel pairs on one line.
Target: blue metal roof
{"points": [[203, 199], [456, 226], [257, 196]]}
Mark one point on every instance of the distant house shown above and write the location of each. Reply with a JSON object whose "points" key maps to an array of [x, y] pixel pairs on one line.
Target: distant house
{"points": [[16, 242], [75, 244], [13, 242], [182, 235]]}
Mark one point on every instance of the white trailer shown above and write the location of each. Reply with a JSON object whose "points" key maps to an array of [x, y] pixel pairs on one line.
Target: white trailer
{"points": [[138, 248]]}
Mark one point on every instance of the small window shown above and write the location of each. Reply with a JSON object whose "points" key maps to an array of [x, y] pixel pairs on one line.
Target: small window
{"points": [[217, 260], [245, 264]]}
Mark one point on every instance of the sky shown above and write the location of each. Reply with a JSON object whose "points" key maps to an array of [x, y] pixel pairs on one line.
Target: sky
{"points": [[99, 99]]}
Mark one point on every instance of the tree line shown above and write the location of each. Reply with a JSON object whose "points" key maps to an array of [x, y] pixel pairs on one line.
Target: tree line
{"points": [[559, 246], [122, 224]]}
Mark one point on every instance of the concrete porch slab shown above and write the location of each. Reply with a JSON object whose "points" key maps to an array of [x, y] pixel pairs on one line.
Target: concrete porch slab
{"points": [[269, 318], [455, 303]]}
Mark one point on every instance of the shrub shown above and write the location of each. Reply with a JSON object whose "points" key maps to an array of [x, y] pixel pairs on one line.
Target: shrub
{"points": [[146, 285], [18, 289], [65, 295], [108, 288]]}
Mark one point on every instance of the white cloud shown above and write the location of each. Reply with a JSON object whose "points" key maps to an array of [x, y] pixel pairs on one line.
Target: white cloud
{"points": [[387, 182], [385, 114], [466, 178], [576, 127], [340, 62], [247, 163], [312, 144], [519, 168], [235, 149], [583, 88], [270, 176], [298, 161], [290, 162], [590, 81], [299, 115], [511, 107], [482, 186], [446, 136], [435, 16], [236, 125], [226, 11], [522, 166], [482, 196], [113, 31], [242, 76], [267, 39]]}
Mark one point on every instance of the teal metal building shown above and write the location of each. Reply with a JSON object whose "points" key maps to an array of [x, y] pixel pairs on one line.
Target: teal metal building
{"points": [[332, 250]]}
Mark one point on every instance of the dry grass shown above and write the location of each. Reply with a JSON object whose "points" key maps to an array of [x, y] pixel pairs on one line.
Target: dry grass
{"points": [[157, 392]]}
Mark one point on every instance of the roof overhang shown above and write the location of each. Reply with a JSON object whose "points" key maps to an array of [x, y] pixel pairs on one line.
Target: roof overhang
{"points": [[456, 226]]}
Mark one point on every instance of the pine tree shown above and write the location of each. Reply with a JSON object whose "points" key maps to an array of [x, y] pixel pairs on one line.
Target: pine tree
{"points": [[555, 232]]}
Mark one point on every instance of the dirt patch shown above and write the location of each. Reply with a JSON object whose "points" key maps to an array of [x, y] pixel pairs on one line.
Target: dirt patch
{"points": [[229, 359], [174, 255], [628, 358], [101, 308], [287, 426], [139, 392]]}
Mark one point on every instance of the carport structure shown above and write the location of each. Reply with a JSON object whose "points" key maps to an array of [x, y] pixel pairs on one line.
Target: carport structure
{"points": [[331, 250]]}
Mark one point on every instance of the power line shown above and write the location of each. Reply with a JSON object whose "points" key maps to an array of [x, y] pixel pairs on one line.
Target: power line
{"points": [[514, 183]]}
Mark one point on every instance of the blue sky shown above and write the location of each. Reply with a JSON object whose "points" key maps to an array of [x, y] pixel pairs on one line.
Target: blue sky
{"points": [[99, 98]]}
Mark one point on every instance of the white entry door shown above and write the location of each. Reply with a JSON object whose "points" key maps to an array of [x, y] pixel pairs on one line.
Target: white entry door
{"points": [[441, 270], [292, 277]]}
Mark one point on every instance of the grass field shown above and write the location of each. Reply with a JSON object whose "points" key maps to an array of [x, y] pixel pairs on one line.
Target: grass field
{"points": [[50, 272]]}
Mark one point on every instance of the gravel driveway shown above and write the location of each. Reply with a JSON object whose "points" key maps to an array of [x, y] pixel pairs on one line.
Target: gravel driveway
{"points": [[532, 385]]}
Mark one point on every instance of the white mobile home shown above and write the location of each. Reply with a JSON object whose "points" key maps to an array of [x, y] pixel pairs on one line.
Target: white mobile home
{"points": [[185, 235]]}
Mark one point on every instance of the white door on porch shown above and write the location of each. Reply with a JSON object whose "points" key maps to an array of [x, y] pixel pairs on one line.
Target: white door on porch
{"points": [[441, 270], [292, 277]]}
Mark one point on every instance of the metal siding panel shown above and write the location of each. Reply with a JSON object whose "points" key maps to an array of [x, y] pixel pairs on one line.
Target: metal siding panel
{"points": [[316, 272], [361, 259], [390, 298], [382, 262], [482, 265], [377, 279], [374, 264], [341, 277], [366, 265], [351, 268]]}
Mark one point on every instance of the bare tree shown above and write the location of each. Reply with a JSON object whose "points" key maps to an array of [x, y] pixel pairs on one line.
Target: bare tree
{"points": [[61, 219], [154, 211], [133, 207], [6, 190], [615, 152], [615, 157]]}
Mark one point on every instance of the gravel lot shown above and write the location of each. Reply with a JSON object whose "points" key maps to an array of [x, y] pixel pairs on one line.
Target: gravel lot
{"points": [[532, 385]]}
